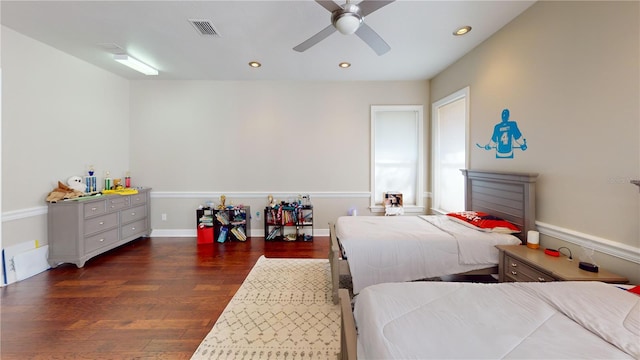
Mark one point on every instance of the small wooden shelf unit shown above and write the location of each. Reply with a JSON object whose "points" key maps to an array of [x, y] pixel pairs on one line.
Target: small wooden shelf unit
{"points": [[288, 222]]}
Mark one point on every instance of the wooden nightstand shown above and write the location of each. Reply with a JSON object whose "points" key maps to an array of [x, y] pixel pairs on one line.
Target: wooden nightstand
{"points": [[520, 263]]}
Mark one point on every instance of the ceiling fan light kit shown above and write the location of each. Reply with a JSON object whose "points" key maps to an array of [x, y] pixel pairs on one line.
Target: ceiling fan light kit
{"points": [[349, 19]]}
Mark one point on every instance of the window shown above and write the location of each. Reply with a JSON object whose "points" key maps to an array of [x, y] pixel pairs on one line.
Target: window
{"points": [[450, 123], [397, 160]]}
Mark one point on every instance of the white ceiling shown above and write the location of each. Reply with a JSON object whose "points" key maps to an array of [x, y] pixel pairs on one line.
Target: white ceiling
{"points": [[160, 34]]}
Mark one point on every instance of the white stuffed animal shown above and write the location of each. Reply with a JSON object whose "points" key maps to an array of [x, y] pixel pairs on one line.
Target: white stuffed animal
{"points": [[75, 182]]}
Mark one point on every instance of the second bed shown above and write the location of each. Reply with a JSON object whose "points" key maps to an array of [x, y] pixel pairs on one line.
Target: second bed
{"points": [[379, 249]]}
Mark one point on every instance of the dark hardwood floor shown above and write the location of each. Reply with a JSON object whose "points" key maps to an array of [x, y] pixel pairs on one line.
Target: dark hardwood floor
{"points": [[154, 298]]}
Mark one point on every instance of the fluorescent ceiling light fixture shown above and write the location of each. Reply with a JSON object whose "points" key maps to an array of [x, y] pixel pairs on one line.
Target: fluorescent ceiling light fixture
{"points": [[135, 64]]}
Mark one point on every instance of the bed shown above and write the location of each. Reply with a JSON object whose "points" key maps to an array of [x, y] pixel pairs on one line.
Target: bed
{"points": [[439, 320], [367, 250]]}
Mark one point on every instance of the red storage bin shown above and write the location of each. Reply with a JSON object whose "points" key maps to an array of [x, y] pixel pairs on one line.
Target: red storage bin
{"points": [[205, 234]]}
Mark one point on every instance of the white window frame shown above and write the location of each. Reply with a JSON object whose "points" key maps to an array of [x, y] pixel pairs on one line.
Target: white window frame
{"points": [[419, 181], [435, 179]]}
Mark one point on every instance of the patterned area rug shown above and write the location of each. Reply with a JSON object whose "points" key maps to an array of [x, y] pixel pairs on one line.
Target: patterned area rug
{"points": [[283, 310]]}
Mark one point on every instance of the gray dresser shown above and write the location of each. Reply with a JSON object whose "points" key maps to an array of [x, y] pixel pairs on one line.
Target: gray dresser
{"points": [[84, 228]]}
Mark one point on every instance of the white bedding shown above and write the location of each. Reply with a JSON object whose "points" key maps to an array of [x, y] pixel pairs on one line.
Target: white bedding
{"points": [[427, 320], [404, 248]]}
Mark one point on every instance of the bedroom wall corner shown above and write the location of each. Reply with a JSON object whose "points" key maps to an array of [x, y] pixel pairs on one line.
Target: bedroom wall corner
{"points": [[1, 247]]}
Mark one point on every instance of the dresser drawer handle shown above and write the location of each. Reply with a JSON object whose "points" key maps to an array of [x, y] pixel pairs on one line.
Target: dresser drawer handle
{"points": [[101, 240], [133, 228], [513, 272], [94, 208], [101, 223], [514, 264], [133, 214]]}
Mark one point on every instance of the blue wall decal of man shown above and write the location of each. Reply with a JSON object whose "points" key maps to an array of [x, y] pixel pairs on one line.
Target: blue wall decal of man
{"points": [[504, 135]]}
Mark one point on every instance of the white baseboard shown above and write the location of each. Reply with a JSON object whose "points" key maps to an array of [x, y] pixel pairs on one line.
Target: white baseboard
{"points": [[599, 244]]}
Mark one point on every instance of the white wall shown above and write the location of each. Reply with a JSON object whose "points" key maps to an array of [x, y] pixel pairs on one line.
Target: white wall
{"points": [[59, 115], [569, 73]]}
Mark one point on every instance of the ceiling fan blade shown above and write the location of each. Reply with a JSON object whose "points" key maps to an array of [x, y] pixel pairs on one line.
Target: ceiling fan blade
{"points": [[366, 33], [369, 6], [323, 34], [329, 5]]}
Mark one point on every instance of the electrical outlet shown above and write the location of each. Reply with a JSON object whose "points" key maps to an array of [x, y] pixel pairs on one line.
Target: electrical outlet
{"points": [[164, 217]]}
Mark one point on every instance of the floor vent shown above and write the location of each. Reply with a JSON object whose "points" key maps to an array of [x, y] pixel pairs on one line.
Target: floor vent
{"points": [[204, 27]]}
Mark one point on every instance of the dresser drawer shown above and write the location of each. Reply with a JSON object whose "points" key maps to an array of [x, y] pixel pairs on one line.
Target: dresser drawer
{"points": [[138, 199], [516, 270], [100, 223], [94, 208], [117, 202], [134, 214], [134, 228], [100, 240]]}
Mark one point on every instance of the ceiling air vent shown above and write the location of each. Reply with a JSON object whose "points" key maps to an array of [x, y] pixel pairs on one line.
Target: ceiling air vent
{"points": [[112, 48], [204, 27]]}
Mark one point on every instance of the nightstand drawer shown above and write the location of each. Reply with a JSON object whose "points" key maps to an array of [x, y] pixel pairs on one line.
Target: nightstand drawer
{"points": [[516, 270], [520, 263]]}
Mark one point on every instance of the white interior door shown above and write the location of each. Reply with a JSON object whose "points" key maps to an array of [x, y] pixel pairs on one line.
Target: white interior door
{"points": [[450, 140]]}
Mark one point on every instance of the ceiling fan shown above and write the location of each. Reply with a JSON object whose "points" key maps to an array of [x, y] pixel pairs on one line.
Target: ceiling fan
{"points": [[349, 19]]}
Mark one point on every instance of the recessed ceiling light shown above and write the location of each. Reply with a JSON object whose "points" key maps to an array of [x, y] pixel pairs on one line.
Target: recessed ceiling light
{"points": [[462, 30], [254, 64], [344, 64]]}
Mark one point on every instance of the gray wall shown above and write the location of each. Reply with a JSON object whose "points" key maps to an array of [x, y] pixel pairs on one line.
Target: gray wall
{"points": [[195, 140], [59, 115], [569, 73]]}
